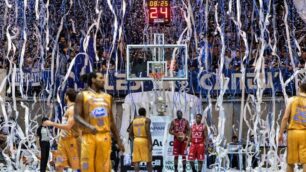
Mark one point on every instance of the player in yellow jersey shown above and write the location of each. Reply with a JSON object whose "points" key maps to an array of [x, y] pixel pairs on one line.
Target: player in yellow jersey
{"points": [[68, 146], [295, 117], [93, 111], [142, 145]]}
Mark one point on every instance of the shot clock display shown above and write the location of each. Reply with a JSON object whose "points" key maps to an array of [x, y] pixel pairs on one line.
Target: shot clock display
{"points": [[159, 11]]}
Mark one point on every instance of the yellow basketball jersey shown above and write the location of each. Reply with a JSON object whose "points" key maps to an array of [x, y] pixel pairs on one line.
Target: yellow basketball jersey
{"points": [[139, 127], [73, 132], [97, 110], [297, 119]]}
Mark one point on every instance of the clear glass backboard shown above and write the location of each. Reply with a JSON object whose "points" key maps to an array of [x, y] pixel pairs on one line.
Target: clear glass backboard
{"points": [[165, 62]]}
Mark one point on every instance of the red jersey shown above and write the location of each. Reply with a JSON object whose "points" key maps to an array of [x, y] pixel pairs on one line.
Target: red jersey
{"points": [[197, 133], [180, 126]]}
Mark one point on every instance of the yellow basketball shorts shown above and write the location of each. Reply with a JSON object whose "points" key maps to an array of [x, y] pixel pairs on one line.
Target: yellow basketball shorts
{"points": [[296, 147], [141, 152], [68, 153], [95, 152]]}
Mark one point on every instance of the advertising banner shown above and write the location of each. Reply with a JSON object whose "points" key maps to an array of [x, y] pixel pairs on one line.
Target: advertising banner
{"points": [[203, 83], [31, 77]]}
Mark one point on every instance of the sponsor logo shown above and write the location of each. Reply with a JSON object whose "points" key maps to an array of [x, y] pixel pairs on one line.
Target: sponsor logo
{"points": [[157, 163], [100, 101], [85, 166], [156, 142], [158, 128], [99, 112]]}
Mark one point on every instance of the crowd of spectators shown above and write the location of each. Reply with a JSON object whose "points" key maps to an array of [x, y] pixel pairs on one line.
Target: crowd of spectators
{"points": [[204, 41]]}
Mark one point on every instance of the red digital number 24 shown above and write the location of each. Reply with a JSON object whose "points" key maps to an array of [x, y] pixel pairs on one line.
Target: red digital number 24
{"points": [[164, 11], [153, 13]]}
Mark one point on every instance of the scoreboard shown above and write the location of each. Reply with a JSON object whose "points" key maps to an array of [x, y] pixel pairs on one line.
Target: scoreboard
{"points": [[159, 11]]}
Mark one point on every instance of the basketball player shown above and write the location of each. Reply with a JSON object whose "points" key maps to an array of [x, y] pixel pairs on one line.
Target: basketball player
{"points": [[68, 146], [197, 147], [142, 147], [180, 129], [295, 117], [93, 111]]}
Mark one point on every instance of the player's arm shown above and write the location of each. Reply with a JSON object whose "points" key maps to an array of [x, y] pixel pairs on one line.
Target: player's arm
{"points": [[67, 126], [78, 110], [114, 129], [189, 137], [285, 120], [171, 129], [130, 130], [188, 133], [148, 124]]}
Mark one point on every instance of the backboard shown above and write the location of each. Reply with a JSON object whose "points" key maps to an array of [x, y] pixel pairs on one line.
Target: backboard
{"points": [[167, 62]]}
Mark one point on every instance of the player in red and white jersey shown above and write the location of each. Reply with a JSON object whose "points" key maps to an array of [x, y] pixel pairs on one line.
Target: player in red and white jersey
{"points": [[197, 147], [180, 129]]}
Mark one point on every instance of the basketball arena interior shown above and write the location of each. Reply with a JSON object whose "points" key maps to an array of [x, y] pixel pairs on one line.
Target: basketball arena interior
{"points": [[235, 63]]}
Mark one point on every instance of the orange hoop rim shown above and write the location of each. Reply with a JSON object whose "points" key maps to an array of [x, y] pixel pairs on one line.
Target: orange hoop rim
{"points": [[157, 75]]}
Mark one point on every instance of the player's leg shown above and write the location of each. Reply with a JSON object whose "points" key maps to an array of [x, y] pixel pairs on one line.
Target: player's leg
{"points": [[200, 155], [175, 163], [61, 158], [292, 150], [192, 166], [200, 165], [191, 157], [183, 152], [184, 163], [290, 167], [72, 150], [103, 152], [88, 148], [137, 151], [136, 166], [147, 155], [149, 166], [302, 148], [304, 167], [176, 150]]}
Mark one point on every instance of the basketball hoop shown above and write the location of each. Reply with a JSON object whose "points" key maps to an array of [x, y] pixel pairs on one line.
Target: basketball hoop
{"points": [[157, 76], [159, 71], [159, 91]]}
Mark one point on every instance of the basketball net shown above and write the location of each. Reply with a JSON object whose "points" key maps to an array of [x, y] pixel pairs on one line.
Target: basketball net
{"points": [[159, 92]]}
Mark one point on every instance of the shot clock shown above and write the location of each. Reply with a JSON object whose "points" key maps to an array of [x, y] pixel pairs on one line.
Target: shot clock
{"points": [[159, 11]]}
